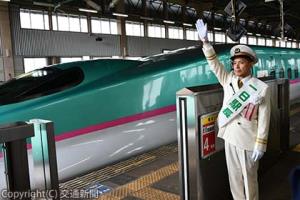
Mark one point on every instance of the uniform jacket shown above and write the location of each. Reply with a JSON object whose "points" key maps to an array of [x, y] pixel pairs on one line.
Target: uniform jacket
{"points": [[240, 131]]}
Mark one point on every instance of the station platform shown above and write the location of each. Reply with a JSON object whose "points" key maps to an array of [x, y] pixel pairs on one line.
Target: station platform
{"points": [[154, 175]]}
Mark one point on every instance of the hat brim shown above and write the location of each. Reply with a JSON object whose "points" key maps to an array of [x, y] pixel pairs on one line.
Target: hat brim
{"points": [[242, 54]]}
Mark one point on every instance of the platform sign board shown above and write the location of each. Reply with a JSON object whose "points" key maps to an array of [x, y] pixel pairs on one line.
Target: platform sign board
{"points": [[208, 133]]}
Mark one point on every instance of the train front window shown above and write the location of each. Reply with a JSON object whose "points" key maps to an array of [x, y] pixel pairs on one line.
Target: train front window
{"points": [[39, 83]]}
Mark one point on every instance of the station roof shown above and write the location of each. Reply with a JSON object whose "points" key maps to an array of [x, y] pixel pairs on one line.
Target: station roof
{"points": [[259, 17]]}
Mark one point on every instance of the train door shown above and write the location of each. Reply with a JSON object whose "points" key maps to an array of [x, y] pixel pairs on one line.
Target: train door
{"points": [[291, 63], [265, 66], [271, 66], [296, 71], [279, 66]]}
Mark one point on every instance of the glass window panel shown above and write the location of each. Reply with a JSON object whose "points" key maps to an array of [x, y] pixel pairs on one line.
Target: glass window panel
{"points": [[269, 42], [83, 24], [243, 40], [189, 35], [277, 43], [180, 33], [74, 23], [128, 29], [261, 41], [175, 33], [86, 58], [196, 35], [210, 36], [113, 27], [37, 20], [294, 45], [136, 30], [220, 37], [289, 44], [46, 21], [105, 27], [25, 19], [171, 33], [142, 29], [54, 22], [95, 26], [70, 59], [252, 40], [163, 32], [157, 32], [151, 31], [282, 44], [63, 23], [34, 19], [34, 63]]}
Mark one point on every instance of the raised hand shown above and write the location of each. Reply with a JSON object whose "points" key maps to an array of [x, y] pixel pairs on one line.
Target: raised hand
{"points": [[202, 30]]}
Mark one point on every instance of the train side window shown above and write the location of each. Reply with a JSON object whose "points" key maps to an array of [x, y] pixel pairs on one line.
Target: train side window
{"points": [[272, 73], [39, 83], [281, 72], [296, 72], [64, 80], [289, 73], [270, 64]]}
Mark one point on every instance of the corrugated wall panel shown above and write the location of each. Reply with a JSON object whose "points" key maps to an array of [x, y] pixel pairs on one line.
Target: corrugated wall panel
{"points": [[37, 43], [1, 51], [19, 66], [144, 46], [1, 70]]}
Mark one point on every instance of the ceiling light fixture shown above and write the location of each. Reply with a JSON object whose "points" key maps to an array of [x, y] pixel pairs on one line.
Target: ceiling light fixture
{"points": [[147, 18], [218, 29], [185, 24], [120, 15], [168, 22], [87, 10]]}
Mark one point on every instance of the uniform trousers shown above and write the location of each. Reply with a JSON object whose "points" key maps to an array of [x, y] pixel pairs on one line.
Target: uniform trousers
{"points": [[242, 171]]}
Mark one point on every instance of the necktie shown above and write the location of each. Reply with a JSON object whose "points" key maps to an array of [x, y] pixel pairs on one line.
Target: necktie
{"points": [[240, 83]]}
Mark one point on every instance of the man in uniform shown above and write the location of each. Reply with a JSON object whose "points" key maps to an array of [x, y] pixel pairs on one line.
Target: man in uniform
{"points": [[244, 118]]}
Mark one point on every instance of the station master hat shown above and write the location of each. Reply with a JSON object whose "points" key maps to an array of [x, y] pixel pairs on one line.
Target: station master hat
{"points": [[243, 50]]}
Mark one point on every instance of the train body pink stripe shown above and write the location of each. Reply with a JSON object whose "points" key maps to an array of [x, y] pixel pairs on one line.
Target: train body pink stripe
{"points": [[295, 81], [117, 122], [110, 124]]}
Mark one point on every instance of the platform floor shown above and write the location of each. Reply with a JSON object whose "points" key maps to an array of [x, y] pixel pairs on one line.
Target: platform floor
{"points": [[154, 175]]}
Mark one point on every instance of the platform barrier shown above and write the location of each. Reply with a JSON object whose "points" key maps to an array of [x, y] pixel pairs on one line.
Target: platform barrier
{"points": [[202, 165], [13, 137], [44, 157]]}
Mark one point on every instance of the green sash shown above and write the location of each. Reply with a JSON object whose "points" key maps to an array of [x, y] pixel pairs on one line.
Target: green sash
{"points": [[238, 101]]}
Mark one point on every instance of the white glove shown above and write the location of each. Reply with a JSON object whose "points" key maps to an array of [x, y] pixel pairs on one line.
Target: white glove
{"points": [[256, 99], [202, 30], [256, 155]]}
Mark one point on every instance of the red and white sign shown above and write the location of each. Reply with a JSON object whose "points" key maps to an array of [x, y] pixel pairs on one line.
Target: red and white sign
{"points": [[208, 134]]}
